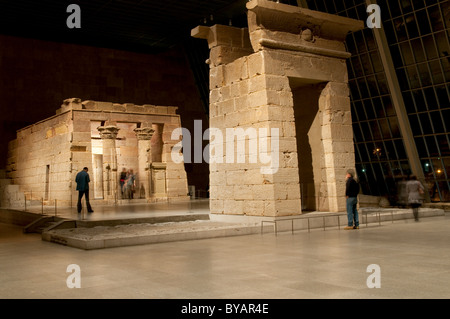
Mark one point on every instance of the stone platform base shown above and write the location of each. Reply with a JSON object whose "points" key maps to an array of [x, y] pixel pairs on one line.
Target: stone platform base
{"points": [[138, 234], [109, 234]]}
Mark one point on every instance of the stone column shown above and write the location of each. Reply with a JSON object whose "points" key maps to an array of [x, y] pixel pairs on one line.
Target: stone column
{"points": [[108, 135], [338, 148], [144, 136]]}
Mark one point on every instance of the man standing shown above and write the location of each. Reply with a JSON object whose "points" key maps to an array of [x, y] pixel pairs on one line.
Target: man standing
{"points": [[82, 180], [351, 193]]}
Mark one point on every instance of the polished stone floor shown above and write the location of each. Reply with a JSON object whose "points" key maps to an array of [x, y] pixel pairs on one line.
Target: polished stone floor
{"points": [[128, 209], [414, 260]]}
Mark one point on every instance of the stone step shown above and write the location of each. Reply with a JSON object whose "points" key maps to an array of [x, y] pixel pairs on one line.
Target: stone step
{"points": [[42, 224]]}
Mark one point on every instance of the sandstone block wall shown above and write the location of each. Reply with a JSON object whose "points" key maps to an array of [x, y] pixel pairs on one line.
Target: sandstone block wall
{"points": [[38, 150]]}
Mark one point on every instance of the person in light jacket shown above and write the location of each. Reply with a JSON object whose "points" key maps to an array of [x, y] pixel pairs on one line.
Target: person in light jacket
{"points": [[415, 192]]}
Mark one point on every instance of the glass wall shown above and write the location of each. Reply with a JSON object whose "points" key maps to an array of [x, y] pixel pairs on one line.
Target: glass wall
{"points": [[421, 58], [418, 36]]}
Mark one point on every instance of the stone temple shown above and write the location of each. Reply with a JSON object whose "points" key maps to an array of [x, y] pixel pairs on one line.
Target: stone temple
{"points": [[105, 137]]}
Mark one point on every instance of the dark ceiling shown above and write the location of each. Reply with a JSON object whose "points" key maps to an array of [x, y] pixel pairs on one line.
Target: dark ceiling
{"points": [[137, 25]]}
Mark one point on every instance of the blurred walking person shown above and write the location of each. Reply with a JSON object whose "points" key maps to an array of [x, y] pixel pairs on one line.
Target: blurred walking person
{"points": [[415, 192]]}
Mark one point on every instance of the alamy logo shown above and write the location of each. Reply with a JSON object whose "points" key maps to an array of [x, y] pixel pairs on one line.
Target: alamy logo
{"points": [[374, 280], [74, 20], [74, 279], [374, 19], [235, 145]]}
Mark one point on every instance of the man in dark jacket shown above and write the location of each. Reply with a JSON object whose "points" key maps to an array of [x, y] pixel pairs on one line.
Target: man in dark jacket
{"points": [[82, 179], [351, 193]]}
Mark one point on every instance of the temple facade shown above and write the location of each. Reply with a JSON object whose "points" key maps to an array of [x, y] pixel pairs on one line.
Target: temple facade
{"points": [[107, 138]]}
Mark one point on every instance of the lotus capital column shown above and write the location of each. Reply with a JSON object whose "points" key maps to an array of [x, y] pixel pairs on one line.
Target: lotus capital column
{"points": [[108, 135], [144, 136]]}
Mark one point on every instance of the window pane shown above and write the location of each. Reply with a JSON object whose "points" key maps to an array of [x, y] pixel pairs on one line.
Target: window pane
{"points": [[339, 5], [375, 130], [447, 165], [400, 28], [373, 85], [413, 77], [406, 6], [350, 44], [420, 101], [424, 25], [352, 13], [436, 120], [382, 84], [394, 8], [354, 90], [357, 133], [415, 126], [357, 157], [435, 18], [446, 118], [390, 33], [366, 65], [432, 147], [369, 109], [443, 145], [388, 107], [426, 124], [443, 98], [406, 53], [360, 43], [363, 153], [366, 131], [361, 8], [444, 190], [400, 149], [417, 48], [446, 66], [430, 47], [445, 8], [431, 98], [409, 103], [411, 24], [363, 88], [438, 167], [390, 150], [402, 79], [357, 67], [384, 13], [370, 40], [436, 72], [418, 4], [376, 62], [385, 130], [379, 110], [425, 77], [420, 145], [360, 111], [405, 167]]}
